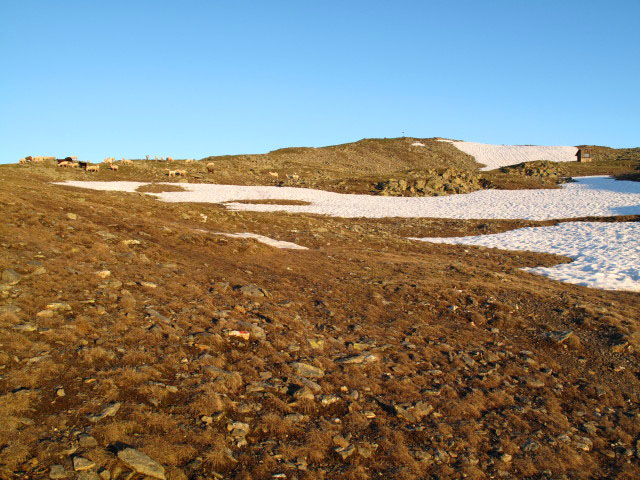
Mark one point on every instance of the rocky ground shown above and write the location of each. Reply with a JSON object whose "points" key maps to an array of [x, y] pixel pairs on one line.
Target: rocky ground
{"points": [[135, 345]]}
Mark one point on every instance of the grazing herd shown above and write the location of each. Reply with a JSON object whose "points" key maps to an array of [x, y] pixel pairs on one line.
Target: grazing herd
{"points": [[110, 163]]}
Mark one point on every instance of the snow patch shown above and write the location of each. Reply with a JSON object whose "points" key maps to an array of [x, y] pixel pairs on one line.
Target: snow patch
{"points": [[588, 196], [272, 242], [605, 255], [496, 156]]}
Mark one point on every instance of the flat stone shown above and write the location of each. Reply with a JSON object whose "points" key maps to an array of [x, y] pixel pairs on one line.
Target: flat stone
{"points": [[506, 458], [142, 463], [72, 216], [469, 362], [421, 409], [252, 290], [238, 429], [108, 411], [306, 370], [87, 441], [559, 336], [59, 306], [158, 316], [57, 471], [329, 399], [10, 276], [356, 359], [25, 327], [81, 464], [345, 452], [88, 475], [304, 393]]}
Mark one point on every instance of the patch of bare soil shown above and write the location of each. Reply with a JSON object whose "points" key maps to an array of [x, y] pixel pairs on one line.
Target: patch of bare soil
{"points": [[159, 188], [367, 356]]}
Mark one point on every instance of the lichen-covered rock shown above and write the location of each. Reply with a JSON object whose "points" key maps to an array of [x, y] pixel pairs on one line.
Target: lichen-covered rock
{"points": [[142, 463], [539, 168], [433, 183]]}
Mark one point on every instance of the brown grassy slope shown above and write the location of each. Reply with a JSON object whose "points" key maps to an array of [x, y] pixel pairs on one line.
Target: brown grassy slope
{"points": [[373, 156], [461, 329]]}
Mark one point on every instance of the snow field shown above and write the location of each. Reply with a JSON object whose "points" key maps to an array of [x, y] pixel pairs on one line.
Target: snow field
{"points": [[496, 156], [589, 196], [605, 255]]}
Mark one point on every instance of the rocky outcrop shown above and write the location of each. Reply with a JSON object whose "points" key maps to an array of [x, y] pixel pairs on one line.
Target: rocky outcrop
{"points": [[433, 183], [540, 168]]}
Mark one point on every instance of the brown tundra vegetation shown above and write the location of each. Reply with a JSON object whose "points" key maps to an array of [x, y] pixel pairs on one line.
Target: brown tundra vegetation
{"points": [[135, 343]]}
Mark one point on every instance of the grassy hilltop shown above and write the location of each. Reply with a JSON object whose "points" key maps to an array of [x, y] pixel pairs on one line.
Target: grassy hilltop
{"points": [[356, 167]]}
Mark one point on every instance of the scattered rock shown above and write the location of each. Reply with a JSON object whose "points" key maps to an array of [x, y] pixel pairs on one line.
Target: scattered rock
{"points": [[584, 443], [109, 411], [506, 458], [88, 475], [72, 216], [103, 273], [306, 370], [157, 316], [405, 413], [440, 456], [345, 452], [304, 393], [558, 336], [252, 290], [238, 429], [421, 410], [59, 306], [57, 471], [25, 327], [356, 359], [142, 463], [317, 344], [81, 464], [87, 441], [468, 361], [243, 334], [326, 400], [10, 276]]}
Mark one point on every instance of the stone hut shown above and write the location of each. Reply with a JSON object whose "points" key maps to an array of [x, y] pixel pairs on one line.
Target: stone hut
{"points": [[584, 154]]}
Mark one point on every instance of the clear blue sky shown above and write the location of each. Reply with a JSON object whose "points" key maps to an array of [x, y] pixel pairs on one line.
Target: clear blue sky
{"points": [[195, 78]]}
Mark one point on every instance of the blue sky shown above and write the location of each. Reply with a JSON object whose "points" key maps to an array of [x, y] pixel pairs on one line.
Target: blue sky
{"points": [[196, 78]]}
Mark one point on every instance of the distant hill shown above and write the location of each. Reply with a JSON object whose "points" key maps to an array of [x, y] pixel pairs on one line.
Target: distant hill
{"points": [[371, 156], [397, 166]]}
